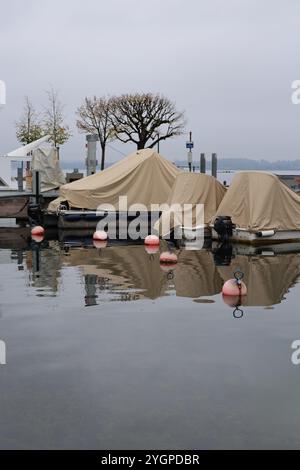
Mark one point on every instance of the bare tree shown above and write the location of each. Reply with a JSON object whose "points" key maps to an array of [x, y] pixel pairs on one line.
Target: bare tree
{"points": [[54, 124], [94, 117], [28, 128], [145, 119]]}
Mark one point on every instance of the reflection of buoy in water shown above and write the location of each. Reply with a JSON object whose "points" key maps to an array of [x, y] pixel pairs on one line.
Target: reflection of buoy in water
{"points": [[168, 258], [232, 300], [234, 288], [152, 240], [38, 230], [100, 244], [168, 268], [100, 235], [37, 238], [151, 249]]}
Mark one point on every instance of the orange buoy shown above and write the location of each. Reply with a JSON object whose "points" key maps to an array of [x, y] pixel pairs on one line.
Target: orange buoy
{"points": [[37, 238], [152, 240], [100, 235], [151, 249], [100, 243], [234, 288], [168, 258], [38, 230]]}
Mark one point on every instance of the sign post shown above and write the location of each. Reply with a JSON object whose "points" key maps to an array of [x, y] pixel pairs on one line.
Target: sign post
{"points": [[190, 146]]}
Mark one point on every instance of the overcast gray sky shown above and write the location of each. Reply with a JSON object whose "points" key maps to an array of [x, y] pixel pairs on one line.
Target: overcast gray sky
{"points": [[228, 64]]}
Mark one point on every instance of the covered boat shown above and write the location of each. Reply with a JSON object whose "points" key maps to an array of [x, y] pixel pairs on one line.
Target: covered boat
{"points": [[144, 177], [258, 208], [191, 189]]}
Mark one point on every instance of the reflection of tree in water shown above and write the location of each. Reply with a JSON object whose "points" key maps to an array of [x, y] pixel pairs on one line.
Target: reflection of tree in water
{"points": [[94, 283], [44, 267]]}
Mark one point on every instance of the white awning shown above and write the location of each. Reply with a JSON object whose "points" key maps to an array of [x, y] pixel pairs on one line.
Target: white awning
{"points": [[26, 149]]}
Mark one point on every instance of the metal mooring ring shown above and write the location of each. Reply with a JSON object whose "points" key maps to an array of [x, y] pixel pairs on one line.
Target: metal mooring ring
{"points": [[238, 275]]}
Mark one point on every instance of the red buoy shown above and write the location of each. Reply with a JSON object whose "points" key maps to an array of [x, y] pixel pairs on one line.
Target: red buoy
{"points": [[234, 288], [38, 230], [100, 235], [152, 240], [168, 258]]}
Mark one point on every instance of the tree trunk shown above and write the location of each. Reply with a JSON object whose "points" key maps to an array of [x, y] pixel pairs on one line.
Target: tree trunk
{"points": [[141, 145], [102, 157]]}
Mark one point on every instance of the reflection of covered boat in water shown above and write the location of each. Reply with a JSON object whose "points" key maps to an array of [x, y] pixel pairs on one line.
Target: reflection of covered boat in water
{"points": [[196, 275], [128, 270], [132, 273], [259, 209], [268, 278]]}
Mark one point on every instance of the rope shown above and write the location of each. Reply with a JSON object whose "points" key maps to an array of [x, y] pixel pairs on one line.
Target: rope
{"points": [[26, 203], [238, 275]]}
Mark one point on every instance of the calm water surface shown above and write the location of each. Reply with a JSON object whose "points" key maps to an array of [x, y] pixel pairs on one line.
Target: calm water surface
{"points": [[107, 349]]}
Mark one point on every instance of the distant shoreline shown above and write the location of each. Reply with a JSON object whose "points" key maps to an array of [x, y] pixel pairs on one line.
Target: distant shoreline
{"points": [[224, 164]]}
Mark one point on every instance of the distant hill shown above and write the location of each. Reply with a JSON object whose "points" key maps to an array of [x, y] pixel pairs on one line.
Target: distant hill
{"points": [[223, 164], [249, 164]]}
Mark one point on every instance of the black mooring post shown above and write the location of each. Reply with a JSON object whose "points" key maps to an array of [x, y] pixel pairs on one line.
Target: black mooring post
{"points": [[36, 186], [214, 165], [202, 163]]}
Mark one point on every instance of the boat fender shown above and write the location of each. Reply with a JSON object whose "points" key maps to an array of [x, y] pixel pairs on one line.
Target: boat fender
{"points": [[266, 233]]}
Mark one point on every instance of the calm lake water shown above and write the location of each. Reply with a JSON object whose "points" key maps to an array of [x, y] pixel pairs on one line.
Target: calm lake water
{"points": [[107, 349]]}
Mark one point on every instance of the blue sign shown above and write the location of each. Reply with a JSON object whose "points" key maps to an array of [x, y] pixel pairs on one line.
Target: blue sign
{"points": [[190, 145]]}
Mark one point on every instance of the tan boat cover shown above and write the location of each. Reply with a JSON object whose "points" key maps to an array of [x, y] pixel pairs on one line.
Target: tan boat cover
{"points": [[260, 201], [192, 188], [145, 177], [45, 160]]}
